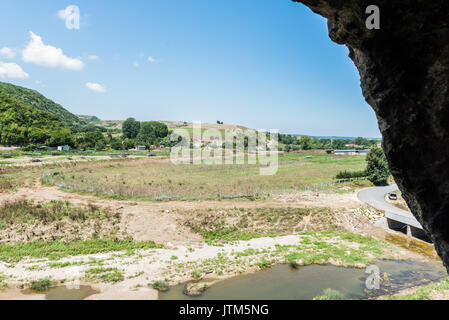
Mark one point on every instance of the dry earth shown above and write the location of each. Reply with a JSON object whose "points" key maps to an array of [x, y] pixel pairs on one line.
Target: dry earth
{"points": [[167, 223]]}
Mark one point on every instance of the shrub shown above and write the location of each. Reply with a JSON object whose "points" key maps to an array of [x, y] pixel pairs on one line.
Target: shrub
{"points": [[350, 174], [293, 264], [160, 286], [41, 285], [330, 294]]}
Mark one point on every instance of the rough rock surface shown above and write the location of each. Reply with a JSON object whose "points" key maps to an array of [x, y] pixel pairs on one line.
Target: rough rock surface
{"points": [[404, 71]]}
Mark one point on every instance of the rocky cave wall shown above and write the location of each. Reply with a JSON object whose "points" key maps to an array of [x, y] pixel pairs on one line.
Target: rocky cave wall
{"points": [[404, 72]]}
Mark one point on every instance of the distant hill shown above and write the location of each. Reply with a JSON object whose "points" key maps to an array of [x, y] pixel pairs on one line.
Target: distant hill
{"points": [[336, 137], [89, 119], [34, 99], [23, 124]]}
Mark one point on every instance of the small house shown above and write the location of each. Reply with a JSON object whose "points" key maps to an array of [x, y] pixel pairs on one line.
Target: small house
{"points": [[141, 148], [63, 148]]}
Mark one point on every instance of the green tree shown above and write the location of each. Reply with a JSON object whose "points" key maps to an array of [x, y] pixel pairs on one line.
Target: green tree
{"points": [[130, 128], [61, 137], [361, 142], [377, 166], [129, 144], [116, 143], [152, 132], [306, 142], [90, 140], [160, 129], [338, 144]]}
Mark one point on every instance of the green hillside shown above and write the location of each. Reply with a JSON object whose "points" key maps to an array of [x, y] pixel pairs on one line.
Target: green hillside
{"points": [[34, 99], [21, 124]]}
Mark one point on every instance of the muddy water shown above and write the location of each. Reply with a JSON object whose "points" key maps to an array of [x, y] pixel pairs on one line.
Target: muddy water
{"points": [[283, 282], [64, 293]]}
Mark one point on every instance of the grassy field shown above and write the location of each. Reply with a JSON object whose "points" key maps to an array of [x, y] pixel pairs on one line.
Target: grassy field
{"points": [[432, 291], [228, 225], [15, 176], [156, 179], [56, 250]]}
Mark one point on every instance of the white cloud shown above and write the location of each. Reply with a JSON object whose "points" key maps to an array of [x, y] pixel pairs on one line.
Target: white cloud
{"points": [[93, 57], [48, 56], [62, 14], [135, 64], [12, 70], [95, 87], [151, 59], [7, 53]]}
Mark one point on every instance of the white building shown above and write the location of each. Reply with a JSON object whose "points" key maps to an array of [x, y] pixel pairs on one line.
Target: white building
{"points": [[63, 148], [351, 152]]}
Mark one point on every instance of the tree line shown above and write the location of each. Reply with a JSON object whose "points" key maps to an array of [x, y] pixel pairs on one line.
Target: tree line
{"points": [[294, 143]]}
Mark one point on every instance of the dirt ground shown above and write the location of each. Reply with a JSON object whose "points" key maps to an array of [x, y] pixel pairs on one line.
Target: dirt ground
{"points": [[159, 221], [165, 223]]}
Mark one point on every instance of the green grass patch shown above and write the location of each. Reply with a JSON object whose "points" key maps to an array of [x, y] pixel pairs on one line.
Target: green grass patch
{"points": [[104, 275], [230, 235], [57, 250], [424, 293], [154, 180], [160, 286], [41, 285]]}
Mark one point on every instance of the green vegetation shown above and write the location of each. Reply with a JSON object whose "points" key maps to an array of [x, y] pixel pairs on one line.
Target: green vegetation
{"points": [[21, 124], [322, 251], [330, 247], [426, 292], [151, 133], [36, 100], [22, 211], [160, 286], [130, 128], [330, 294], [41, 285], [294, 143], [104, 275], [229, 235], [56, 250], [377, 168], [3, 284], [29, 119], [350, 174], [149, 179], [229, 225]]}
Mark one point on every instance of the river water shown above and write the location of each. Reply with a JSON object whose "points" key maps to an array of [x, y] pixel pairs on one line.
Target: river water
{"points": [[281, 282]]}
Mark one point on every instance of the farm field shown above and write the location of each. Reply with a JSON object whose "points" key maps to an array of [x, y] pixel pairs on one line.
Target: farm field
{"points": [[159, 179]]}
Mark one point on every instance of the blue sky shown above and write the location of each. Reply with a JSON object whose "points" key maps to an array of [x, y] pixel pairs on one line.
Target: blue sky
{"points": [[260, 63]]}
